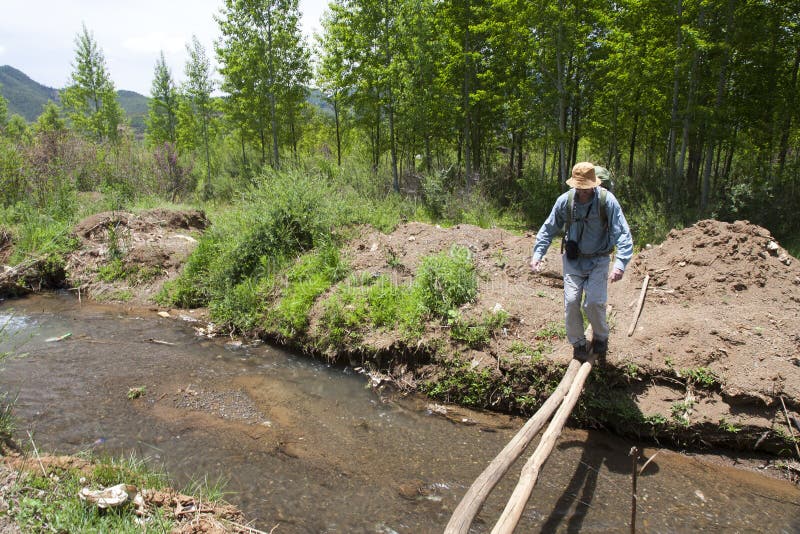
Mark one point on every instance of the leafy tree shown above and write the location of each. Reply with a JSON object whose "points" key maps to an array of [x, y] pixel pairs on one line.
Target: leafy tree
{"points": [[163, 112], [3, 112], [50, 120], [265, 65], [90, 98], [199, 110]]}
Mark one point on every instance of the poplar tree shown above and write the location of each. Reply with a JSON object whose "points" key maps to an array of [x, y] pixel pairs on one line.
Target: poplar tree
{"points": [[163, 106], [265, 65], [198, 88], [90, 99]]}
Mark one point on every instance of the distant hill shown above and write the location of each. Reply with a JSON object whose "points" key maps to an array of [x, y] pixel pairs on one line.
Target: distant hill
{"points": [[27, 98], [135, 105]]}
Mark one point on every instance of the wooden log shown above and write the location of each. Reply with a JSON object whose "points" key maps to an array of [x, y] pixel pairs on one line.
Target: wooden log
{"points": [[639, 305], [530, 472], [476, 495]]}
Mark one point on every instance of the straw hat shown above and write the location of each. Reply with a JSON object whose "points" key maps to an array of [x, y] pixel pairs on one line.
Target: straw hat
{"points": [[583, 176]]}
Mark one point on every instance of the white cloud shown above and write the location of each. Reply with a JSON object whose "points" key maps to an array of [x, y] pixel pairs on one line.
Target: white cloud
{"points": [[2, 50], [154, 42]]}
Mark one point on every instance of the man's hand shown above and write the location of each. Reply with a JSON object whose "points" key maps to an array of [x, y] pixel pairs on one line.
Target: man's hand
{"points": [[536, 265], [616, 275]]}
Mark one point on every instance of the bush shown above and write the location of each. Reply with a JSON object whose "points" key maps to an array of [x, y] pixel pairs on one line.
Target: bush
{"points": [[446, 281]]}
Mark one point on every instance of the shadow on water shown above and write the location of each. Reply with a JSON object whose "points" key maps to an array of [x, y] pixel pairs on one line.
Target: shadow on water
{"points": [[580, 491]]}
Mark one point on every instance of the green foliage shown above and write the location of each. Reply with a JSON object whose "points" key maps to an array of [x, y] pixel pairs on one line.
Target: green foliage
{"points": [[312, 275], [463, 383], [681, 412], [90, 98], [447, 280], [136, 392], [42, 504], [552, 331], [701, 376], [162, 115], [476, 332]]}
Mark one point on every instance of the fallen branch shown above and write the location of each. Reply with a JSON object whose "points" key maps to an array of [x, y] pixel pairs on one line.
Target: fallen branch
{"points": [[530, 472], [639, 305], [476, 495], [791, 430]]}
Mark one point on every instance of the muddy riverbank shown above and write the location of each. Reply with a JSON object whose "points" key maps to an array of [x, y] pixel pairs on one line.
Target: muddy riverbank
{"points": [[305, 445], [713, 353]]}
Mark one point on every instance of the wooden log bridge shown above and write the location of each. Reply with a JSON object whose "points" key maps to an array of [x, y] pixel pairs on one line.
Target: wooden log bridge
{"points": [[563, 399]]}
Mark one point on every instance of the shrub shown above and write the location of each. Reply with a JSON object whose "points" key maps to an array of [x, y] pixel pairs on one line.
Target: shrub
{"points": [[446, 281]]}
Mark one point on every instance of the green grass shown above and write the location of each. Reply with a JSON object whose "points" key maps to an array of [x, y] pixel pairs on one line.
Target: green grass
{"points": [[476, 332], [445, 281], [51, 504]]}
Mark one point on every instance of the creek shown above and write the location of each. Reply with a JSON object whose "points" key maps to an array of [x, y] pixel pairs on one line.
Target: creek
{"points": [[308, 446]]}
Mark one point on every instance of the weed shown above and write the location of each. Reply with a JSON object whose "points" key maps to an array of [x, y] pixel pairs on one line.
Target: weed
{"points": [[518, 348], [701, 376], [311, 275], [113, 271], [463, 383], [500, 259], [477, 332], [655, 420], [552, 331], [726, 426], [681, 411], [136, 392], [446, 281], [392, 260], [631, 371], [44, 504]]}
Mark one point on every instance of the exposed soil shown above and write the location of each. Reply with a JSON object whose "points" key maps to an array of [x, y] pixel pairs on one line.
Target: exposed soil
{"points": [[722, 297], [723, 303], [151, 246]]}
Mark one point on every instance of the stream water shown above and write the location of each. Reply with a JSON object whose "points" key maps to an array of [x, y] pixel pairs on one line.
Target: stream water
{"points": [[308, 447]]}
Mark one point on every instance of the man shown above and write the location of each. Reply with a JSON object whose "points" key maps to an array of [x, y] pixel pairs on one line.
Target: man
{"points": [[590, 239]]}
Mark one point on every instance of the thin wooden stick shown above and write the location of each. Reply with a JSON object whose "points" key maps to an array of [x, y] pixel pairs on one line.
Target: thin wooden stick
{"points": [[36, 452], [530, 472], [639, 305], [791, 430], [476, 495], [635, 454]]}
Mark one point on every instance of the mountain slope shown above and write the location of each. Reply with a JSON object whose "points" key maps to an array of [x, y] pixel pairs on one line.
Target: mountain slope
{"points": [[25, 96]]}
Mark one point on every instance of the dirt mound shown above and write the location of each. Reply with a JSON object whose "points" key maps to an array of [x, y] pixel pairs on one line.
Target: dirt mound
{"points": [[723, 296], [128, 256], [715, 347]]}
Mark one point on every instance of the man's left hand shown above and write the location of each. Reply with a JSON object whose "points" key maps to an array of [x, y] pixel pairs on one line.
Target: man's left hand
{"points": [[616, 275]]}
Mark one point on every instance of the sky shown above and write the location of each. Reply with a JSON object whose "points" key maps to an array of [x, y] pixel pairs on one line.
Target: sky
{"points": [[38, 37]]}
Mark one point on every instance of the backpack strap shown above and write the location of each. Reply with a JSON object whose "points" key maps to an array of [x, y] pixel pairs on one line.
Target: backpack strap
{"points": [[570, 208], [602, 206]]}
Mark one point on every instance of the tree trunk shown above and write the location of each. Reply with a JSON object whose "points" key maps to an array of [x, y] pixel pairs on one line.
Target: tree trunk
{"points": [[338, 131], [791, 109], [673, 123], [715, 114], [632, 150], [465, 91], [688, 115]]}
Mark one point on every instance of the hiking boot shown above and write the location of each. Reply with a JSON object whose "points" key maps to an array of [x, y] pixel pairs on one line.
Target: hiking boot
{"points": [[600, 348], [580, 352]]}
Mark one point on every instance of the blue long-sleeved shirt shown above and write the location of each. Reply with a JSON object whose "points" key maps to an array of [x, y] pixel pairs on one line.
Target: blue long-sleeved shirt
{"points": [[588, 229]]}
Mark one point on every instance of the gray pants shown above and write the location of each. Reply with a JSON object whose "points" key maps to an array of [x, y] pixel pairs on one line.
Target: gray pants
{"points": [[585, 276]]}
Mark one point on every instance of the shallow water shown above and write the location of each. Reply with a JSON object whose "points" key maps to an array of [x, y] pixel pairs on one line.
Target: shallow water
{"points": [[309, 447]]}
